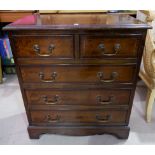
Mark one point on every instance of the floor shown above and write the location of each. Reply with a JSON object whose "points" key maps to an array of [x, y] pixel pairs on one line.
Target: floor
{"points": [[13, 122]]}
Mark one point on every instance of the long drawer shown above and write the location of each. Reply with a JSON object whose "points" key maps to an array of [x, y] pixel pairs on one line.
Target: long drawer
{"points": [[110, 117], [79, 97], [79, 74], [99, 46], [43, 46]]}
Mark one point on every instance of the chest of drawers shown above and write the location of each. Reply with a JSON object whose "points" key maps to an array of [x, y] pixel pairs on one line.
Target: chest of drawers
{"points": [[77, 72]]}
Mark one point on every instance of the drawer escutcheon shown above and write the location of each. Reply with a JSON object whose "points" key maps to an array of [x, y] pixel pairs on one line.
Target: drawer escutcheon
{"points": [[49, 118], [105, 102], [116, 49], [100, 75], [51, 102], [53, 77], [104, 119], [36, 48]]}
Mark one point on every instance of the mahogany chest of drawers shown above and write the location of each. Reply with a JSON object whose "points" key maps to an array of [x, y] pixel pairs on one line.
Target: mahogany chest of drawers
{"points": [[77, 72]]}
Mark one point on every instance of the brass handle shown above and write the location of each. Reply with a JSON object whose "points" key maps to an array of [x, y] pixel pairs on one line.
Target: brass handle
{"points": [[51, 48], [109, 101], [106, 53], [104, 119], [36, 48], [49, 118], [55, 101], [113, 77], [53, 77]]}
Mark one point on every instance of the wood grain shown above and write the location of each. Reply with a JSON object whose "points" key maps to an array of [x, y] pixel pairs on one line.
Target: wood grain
{"points": [[78, 117], [75, 90], [79, 97], [90, 46], [81, 74], [63, 46]]}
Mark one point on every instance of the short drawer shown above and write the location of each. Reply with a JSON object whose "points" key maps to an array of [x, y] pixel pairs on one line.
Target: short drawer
{"points": [[79, 97], [79, 117], [53, 46], [93, 46], [81, 74]]}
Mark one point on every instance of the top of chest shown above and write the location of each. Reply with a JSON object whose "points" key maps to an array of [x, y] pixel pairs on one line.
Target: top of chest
{"points": [[76, 21]]}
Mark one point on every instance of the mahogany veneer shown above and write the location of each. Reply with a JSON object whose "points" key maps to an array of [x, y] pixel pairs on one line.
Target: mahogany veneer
{"points": [[78, 72]]}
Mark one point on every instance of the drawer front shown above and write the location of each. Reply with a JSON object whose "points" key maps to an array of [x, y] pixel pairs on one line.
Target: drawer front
{"points": [[78, 97], [44, 46], [100, 46], [71, 117], [81, 74]]}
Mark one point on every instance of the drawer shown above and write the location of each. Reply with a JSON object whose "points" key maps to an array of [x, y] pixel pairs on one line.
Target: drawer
{"points": [[82, 74], [100, 46], [78, 97], [53, 46], [79, 117]]}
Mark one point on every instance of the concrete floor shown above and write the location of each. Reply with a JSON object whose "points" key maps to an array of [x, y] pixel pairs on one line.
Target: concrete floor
{"points": [[13, 122]]}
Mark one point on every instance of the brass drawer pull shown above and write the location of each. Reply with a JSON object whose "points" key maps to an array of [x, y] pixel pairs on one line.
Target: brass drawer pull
{"points": [[55, 101], [36, 48], [49, 118], [51, 48], [104, 119], [53, 77], [106, 53], [109, 101], [114, 75]]}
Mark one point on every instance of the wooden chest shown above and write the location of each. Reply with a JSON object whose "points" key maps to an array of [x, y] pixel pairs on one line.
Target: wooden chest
{"points": [[78, 72]]}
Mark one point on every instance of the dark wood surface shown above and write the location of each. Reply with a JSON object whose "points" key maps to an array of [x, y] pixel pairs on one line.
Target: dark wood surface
{"points": [[79, 97], [121, 132], [77, 21], [86, 84], [100, 46], [79, 117], [78, 73], [62, 46]]}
